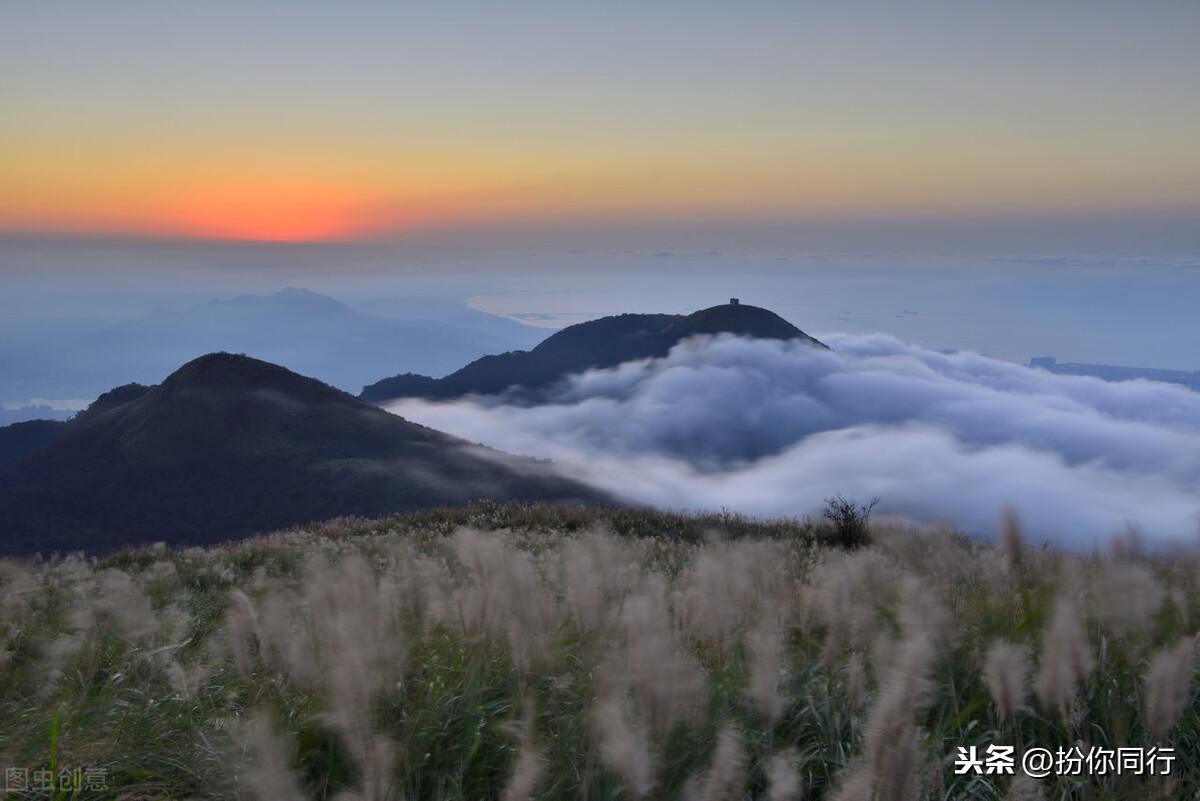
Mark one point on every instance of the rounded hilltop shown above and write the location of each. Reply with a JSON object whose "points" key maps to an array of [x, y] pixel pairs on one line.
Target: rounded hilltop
{"points": [[739, 319], [221, 373], [222, 367]]}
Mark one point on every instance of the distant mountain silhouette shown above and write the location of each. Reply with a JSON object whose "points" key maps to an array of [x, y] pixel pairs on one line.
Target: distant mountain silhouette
{"points": [[309, 332], [601, 343], [229, 445]]}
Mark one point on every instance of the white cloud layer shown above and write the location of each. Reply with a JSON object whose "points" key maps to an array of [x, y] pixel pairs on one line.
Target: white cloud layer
{"points": [[769, 428]]}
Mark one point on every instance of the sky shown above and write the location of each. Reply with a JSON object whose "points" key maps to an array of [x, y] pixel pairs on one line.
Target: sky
{"points": [[305, 121], [1019, 179]]}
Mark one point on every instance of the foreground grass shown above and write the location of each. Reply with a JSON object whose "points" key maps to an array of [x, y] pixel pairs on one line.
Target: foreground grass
{"points": [[537, 652]]}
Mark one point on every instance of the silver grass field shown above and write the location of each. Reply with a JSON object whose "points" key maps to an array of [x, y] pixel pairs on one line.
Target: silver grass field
{"points": [[528, 653]]}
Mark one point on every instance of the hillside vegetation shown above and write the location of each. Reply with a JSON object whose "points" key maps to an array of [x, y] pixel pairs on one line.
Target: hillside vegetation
{"points": [[526, 651]]}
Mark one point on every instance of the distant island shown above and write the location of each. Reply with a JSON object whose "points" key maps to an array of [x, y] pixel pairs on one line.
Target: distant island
{"points": [[1110, 372]]}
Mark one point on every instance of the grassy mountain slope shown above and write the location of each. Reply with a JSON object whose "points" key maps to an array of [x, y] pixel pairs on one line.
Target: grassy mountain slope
{"points": [[520, 651]]}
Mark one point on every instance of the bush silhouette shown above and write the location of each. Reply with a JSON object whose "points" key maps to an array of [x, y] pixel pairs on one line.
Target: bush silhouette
{"points": [[849, 521]]}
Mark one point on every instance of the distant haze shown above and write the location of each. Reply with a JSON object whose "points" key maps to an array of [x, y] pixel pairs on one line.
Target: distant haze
{"points": [[50, 369], [122, 311]]}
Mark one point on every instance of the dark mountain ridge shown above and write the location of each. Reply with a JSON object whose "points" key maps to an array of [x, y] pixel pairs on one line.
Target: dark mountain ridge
{"points": [[601, 343], [22, 439], [229, 445]]}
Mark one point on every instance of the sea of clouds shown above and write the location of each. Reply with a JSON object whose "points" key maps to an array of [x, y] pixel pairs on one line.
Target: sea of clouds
{"points": [[768, 427]]}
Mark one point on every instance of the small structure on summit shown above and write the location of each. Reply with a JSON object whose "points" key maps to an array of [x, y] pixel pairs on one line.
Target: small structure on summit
{"points": [[733, 301]]}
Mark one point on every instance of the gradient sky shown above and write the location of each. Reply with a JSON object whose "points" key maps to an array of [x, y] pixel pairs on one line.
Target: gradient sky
{"points": [[304, 120]]}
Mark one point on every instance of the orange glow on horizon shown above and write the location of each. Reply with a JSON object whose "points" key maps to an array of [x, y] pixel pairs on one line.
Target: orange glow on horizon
{"points": [[270, 211], [257, 200]]}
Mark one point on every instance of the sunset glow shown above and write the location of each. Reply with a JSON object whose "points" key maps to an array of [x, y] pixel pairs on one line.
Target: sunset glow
{"points": [[423, 118], [269, 211]]}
